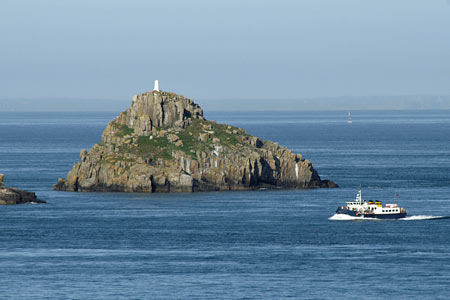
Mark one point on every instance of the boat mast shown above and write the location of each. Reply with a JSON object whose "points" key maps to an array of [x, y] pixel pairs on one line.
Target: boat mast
{"points": [[359, 196]]}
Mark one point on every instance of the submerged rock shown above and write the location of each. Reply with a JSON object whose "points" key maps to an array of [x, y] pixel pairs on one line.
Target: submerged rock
{"points": [[15, 196], [162, 143]]}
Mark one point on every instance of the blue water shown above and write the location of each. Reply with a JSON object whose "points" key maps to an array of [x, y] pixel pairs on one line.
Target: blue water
{"points": [[277, 244]]}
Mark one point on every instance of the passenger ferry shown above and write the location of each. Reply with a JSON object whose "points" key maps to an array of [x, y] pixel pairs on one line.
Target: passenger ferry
{"points": [[371, 209]]}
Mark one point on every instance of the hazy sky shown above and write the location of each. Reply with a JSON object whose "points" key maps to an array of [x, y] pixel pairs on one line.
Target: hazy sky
{"points": [[224, 49]]}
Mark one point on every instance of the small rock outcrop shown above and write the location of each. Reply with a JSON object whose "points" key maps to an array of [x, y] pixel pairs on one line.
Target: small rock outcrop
{"points": [[15, 196], [162, 143]]}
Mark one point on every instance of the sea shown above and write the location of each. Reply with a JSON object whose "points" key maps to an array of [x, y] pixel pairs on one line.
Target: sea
{"points": [[264, 244]]}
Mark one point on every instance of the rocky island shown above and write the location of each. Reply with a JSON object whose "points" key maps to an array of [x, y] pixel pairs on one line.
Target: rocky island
{"points": [[162, 143], [15, 196]]}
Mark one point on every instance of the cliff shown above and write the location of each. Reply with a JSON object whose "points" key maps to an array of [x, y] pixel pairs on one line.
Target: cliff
{"points": [[15, 196], [162, 143]]}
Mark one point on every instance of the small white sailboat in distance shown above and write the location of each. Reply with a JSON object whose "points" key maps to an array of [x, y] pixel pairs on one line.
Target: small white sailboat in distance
{"points": [[349, 118]]}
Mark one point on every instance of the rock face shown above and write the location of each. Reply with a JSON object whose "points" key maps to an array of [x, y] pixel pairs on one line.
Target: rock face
{"points": [[162, 143], [15, 196]]}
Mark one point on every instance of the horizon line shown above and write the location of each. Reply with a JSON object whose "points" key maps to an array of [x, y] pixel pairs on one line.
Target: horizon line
{"points": [[228, 99]]}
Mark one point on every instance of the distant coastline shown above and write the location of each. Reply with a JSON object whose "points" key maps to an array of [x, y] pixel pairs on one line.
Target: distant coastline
{"points": [[412, 102]]}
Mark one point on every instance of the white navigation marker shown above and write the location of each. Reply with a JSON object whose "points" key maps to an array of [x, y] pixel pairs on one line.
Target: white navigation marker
{"points": [[156, 86]]}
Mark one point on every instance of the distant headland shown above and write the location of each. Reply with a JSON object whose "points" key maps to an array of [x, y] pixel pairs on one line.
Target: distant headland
{"points": [[162, 143]]}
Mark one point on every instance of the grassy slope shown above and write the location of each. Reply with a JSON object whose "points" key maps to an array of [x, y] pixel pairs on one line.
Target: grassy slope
{"points": [[161, 147]]}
